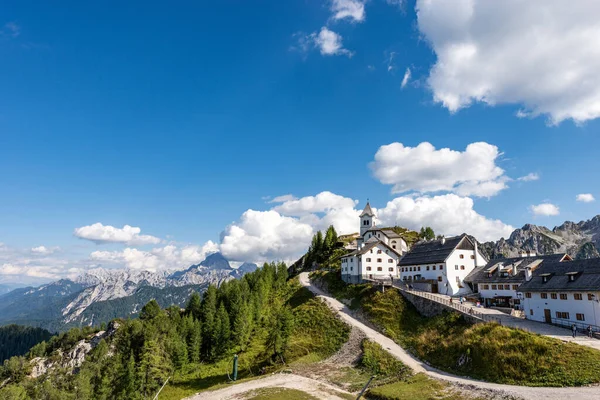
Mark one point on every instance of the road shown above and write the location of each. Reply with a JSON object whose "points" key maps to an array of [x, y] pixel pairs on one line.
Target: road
{"points": [[528, 393], [289, 381]]}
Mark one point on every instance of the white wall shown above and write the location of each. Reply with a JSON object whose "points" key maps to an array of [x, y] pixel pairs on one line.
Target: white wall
{"points": [[385, 264], [491, 293], [589, 308]]}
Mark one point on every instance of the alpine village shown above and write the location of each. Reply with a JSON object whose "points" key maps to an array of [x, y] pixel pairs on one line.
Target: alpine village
{"points": [[384, 313]]}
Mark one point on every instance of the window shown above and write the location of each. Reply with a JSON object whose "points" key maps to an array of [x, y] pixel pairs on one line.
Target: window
{"points": [[378, 251], [486, 287], [462, 267], [591, 296], [371, 251], [562, 315], [506, 287], [456, 267], [391, 269], [368, 268], [515, 287], [393, 246], [461, 256], [472, 257], [419, 268], [410, 269], [379, 260], [528, 295], [434, 268], [553, 296], [580, 317], [439, 278], [457, 279], [428, 268], [493, 287], [351, 268], [544, 295], [379, 269], [578, 296], [441, 267], [368, 260], [531, 311], [390, 260], [563, 296]]}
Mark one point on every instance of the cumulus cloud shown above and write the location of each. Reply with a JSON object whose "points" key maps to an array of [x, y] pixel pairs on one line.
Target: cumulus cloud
{"points": [[543, 55], [128, 235], [354, 10], [425, 169], [585, 198], [406, 78], [529, 177], [322, 202], [160, 258], [544, 209], [282, 198], [329, 43], [447, 214], [44, 250]]}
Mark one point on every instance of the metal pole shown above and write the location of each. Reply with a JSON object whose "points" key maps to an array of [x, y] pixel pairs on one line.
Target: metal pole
{"points": [[365, 388], [235, 367], [163, 386]]}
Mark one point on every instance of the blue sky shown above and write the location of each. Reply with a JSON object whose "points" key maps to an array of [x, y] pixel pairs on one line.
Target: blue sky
{"points": [[178, 118]]}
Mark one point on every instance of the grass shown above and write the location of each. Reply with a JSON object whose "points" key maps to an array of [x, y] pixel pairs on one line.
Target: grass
{"points": [[419, 387], [318, 333], [483, 351]]}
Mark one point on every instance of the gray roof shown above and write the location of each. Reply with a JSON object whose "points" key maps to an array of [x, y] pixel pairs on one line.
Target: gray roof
{"points": [[587, 277], [387, 232], [435, 251], [482, 275], [367, 210], [369, 244]]}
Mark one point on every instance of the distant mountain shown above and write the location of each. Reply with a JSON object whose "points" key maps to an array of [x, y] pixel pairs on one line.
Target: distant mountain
{"points": [[579, 240], [103, 294], [7, 287]]}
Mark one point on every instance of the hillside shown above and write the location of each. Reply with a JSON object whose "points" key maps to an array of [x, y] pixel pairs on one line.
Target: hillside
{"points": [[100, 294], [579, 240], [16, 340]]}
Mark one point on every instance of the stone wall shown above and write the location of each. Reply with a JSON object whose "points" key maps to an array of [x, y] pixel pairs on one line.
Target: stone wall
{"points": [[430, 308]]}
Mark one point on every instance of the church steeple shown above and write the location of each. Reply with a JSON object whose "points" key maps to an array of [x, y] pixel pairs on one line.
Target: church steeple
{"points": [[366, 219]]}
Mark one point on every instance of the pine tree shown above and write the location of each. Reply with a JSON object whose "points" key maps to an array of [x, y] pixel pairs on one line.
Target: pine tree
{"points": [[194, 340], [194, 306], [150, 310], [209, 314], [222, 332], [153, 369], [330, 241]]}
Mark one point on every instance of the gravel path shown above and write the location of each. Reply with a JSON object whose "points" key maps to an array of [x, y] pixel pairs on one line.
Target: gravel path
{"points": [[393, 348], [289, 381]]}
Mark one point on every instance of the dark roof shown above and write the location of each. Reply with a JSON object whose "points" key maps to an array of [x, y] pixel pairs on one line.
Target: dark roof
{"points": [[587, 276], [387, 232], [367, 210], [482, 275], [433, 251]]}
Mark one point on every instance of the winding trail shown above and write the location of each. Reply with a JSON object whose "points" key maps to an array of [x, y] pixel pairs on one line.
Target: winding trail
{"points": [[529, 393]]}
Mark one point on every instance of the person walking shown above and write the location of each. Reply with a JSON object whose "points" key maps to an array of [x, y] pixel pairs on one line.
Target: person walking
{"points": [[590, 331], [574, 329]]}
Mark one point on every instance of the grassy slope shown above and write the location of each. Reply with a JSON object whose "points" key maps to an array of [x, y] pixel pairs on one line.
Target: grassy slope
{"points": [[318, 333], [485, 351]]}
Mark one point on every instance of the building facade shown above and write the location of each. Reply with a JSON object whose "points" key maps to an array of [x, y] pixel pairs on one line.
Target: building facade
{"points": [[497, 282], [441, 266], [564, 293], [377, 254]]}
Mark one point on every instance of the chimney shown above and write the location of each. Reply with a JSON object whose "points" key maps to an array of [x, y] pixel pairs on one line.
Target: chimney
{"points": [[528, 274], [443, 240], [476, 254]]}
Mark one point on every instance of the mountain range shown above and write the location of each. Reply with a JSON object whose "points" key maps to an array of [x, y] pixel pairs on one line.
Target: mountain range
{"points": [[579, 240], [101, 295]]}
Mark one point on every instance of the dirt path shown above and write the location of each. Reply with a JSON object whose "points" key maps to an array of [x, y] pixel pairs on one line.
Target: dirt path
{"points": [[417, 365], [289, 381]]}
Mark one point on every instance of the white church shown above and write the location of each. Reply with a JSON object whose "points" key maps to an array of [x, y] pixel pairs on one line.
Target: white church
{"points": [[377, 254]]}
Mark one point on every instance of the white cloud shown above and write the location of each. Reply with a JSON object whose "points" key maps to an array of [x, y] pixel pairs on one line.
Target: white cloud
{"points": [[544, 55], [322, 202], [44, 250], [424, 169], [544, 209], [329, 43], [128, 235], [350, 9], [396, 3], [447, 214], [282, 198], [30, 271], [406, 78], [585, 197], [532, 176], [161, 258]]}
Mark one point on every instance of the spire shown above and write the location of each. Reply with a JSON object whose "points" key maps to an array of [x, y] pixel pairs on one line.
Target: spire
{"points": [[367, 210]]}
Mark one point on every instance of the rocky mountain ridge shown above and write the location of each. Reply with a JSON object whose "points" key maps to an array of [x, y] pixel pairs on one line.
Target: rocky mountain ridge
{"points": [[65, 302], [579, 240]]}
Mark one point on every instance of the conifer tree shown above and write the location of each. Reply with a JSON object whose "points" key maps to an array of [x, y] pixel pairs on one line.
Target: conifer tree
{"points": [[209, 313]]}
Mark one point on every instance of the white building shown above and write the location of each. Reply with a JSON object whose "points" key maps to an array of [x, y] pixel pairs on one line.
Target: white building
{"points": [[377, 254], [564, 293], [440, 266], [496, 283]]}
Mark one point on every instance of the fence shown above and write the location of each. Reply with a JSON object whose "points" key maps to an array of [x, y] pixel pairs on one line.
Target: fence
{"points": [[581, 326], [470, 311]]}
